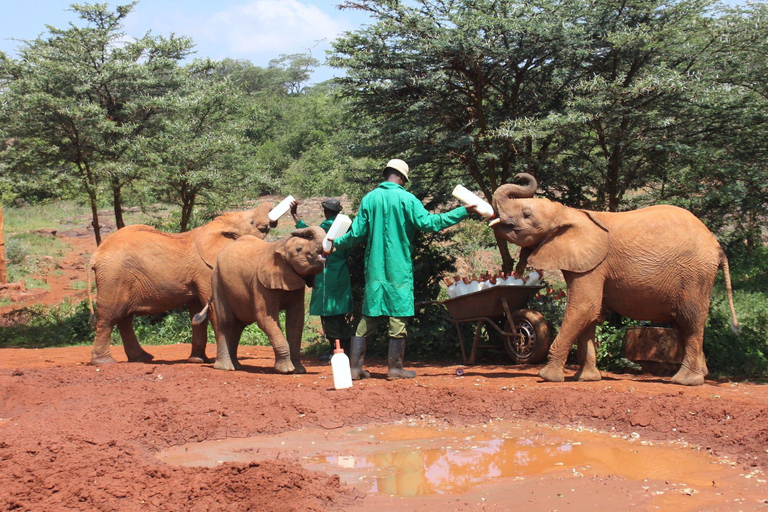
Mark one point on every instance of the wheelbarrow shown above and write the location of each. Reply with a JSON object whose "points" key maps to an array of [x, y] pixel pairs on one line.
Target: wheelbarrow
{"points": [[525, 333]]}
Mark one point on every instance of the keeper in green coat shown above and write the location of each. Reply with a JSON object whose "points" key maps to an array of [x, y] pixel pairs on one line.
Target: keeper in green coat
{"points": [[332, 292], [387, 220]]}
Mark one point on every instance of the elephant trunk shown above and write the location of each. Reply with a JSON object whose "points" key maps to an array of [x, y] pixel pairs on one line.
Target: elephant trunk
{"points": [[516, 190]]}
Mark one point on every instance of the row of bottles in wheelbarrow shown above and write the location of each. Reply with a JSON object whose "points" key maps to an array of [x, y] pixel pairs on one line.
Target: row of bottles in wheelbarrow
{"points": [[462, 285]]}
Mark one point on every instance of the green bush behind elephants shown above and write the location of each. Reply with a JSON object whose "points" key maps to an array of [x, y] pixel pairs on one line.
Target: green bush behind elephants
{"points": [[740, 357]]}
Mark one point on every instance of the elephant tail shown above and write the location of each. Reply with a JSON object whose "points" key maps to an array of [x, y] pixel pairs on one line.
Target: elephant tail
{"points": [[727, 274], [200, 317], [88, 268]]}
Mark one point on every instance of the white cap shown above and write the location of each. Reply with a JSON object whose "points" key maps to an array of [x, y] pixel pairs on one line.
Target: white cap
{"points": [[398, 165]]}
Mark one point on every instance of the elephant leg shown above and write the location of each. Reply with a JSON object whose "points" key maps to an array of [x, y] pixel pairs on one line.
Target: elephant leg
{"points": [[199, 336], [584, 304], [271, 327], [234, 342], [100, 350], [694, 368], [294, 325], [587, 356], [225, 333], [133, 350]]}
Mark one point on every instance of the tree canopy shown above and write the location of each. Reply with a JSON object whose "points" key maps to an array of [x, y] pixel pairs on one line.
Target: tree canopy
{"points": [[607, 103]]}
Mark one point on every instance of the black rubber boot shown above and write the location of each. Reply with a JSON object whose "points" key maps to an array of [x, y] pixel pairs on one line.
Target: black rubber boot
{"points": [[395, 360], [326, 358], [356, 357]]}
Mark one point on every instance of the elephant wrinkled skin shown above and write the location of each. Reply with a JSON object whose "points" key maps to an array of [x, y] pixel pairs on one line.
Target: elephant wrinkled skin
{"points": [[253, 281], [140, 270], [657, 263]]}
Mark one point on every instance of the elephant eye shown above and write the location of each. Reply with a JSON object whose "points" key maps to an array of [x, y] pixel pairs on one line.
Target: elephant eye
{"points": [[526, 213]]}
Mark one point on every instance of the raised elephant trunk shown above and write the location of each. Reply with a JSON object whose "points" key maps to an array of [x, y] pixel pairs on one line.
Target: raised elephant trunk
{"points": [[514, 190]]}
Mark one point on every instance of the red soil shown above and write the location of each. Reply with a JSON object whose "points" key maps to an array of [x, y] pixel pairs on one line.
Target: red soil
{"points": [[79, 437]]}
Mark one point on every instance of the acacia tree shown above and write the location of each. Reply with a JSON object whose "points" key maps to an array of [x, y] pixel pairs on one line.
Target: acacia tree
{"points": [[81, 99], [200, 150], [626, 119], [591, 97], [436, 79], [726, 181]]}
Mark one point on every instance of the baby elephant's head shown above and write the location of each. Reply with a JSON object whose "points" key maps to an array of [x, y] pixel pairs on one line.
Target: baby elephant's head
{"points": [[303, 251]]}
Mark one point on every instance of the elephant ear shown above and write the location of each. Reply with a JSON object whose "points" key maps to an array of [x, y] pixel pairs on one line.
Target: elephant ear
{"points": [[577, 243], [212, 238], [274, 270]]}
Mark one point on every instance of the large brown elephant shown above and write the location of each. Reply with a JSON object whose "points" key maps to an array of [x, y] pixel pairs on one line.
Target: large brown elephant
{"points": [[657, 263], [253, 281], [140, 270]]}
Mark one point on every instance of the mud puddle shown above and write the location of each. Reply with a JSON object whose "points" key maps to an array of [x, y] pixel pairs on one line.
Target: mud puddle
{"points": [[422, 459]]}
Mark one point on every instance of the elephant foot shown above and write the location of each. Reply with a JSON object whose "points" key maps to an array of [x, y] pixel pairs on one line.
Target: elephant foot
{"points": [[105, 359], [551, 374], [198, 359], [224, 365], [587, 375], [141, 357], [298, 368], [688, 378], [285, 367]]}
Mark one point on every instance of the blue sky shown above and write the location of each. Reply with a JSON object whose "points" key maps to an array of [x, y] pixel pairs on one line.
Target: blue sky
{"points": [[256, 30]]}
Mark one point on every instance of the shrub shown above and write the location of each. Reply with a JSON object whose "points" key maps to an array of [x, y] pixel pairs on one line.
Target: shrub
{"points": [[40, 326]]}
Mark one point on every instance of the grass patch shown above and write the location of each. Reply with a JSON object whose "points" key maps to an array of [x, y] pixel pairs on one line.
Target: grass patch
{"points": [[42, 215], [65, 324]]}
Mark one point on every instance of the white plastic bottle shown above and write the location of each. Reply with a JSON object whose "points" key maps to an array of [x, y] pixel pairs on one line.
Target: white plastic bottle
{"points": [[474, 285], [340, 226], [513, 280], [461, 287], [450, 287], [533, 278], [342, 374], [467, 197], [279, 210]]}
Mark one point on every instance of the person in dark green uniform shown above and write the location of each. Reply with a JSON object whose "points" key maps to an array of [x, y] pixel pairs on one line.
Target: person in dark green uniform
{"points": [[332, 292], [388, 219]]}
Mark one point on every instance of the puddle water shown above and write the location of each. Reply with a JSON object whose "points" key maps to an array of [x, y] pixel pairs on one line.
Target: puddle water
{"points": [[419, 459]]}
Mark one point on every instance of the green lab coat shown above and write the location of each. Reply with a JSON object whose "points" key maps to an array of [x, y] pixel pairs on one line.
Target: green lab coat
{"points": [[332, 292], [388, 219]]}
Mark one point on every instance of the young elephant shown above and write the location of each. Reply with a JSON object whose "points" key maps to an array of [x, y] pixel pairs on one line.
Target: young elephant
{"points": [[657, 263], [253, 281], [140, 271]]}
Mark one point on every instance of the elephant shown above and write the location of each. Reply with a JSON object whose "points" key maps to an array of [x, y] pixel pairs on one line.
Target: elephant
{"points": [[657, 263], [140, 270], [253, 281]]}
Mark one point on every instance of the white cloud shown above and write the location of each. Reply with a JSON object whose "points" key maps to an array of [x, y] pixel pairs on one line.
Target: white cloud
{"points": [[262, 29]]}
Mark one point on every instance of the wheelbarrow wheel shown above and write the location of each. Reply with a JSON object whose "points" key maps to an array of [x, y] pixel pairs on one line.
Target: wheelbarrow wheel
{"points": [[529, 340]]}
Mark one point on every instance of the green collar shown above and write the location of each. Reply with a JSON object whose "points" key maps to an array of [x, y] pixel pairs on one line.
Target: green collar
{"points": [[389, 184]]}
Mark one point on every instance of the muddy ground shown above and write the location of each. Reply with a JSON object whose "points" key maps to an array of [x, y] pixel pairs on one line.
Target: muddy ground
{"points": [[78, 437]]}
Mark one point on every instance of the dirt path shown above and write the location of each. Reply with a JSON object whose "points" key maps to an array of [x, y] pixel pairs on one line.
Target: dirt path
{"points": [[74, 436]]}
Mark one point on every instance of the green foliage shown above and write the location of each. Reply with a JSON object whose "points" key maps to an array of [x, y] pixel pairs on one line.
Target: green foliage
{"points": [[745, 354], [39, 326], [610, 339]]}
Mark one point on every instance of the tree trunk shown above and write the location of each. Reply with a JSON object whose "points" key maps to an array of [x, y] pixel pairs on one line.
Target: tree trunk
{"points": [[95, 217], [507, 263], [89, 183], [117, 203], [187, 207], [3, 274], [186, 214]]}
